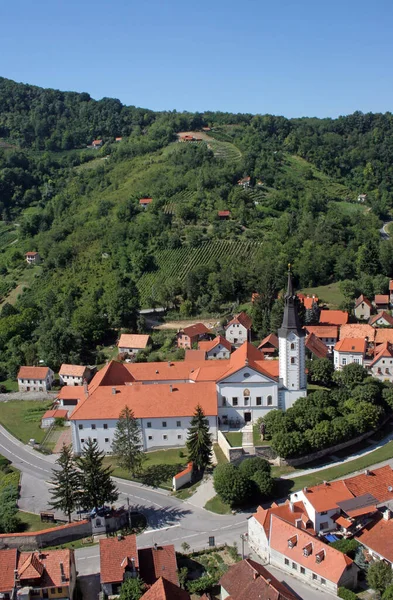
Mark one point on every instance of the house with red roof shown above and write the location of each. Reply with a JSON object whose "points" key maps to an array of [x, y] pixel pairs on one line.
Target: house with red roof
{"points": [[216, 349], [315, 348], [308, 558], [363, 308], [35, 379], [377, 537], [145, 202], [381, 366], [381, 319], [245, 182], [269, 345], [50, 416], [163, 589], [238, 330], [189, 336], [50, 573], [308, 301], [118, 560], [97, 143], [249, 580], [333, 317], [32, 258], [132, 343], [328, 334], [348, 351], [74, 374], [381, 301], [223, 215]]}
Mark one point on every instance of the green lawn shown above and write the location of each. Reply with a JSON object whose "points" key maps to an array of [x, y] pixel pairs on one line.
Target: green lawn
{"points": [[326, 293], [234, 438], [220, 456], [22, 418], [10, 384], [32, 522], [352, 466], [216, 505]]}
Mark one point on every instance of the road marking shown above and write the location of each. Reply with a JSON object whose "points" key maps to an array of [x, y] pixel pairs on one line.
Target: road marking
{"points": [[161, 528], [23, 460]]}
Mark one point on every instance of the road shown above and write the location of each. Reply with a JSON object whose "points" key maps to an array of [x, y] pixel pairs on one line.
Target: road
{"points": [[170, 521], [383, 231]]}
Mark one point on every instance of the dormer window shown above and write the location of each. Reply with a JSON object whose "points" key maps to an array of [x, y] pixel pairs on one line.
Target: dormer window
{"points": [[292, 541], [320, 556], [307, 550]]}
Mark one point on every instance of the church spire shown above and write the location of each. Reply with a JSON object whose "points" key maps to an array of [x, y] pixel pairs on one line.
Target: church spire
{"points": [[290, 321]]}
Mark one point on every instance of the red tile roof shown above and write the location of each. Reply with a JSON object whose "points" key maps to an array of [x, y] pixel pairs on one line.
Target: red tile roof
{"points": [[249, 580], [116, 557], [57, 413], [33, 373], [333, 317], [95, 142], [8, 563], [248, 356], [378, 536], [378, 482], [144, 201], [326, 495], [308, 301], [197, 329], [148, 401], [323, 331], [241, 319], [209, 345], [195, 355], [361, 299], [316, 346], [71, 392], [383, 335], [165, 590], [343, 522], [357, 345], [270, 341], [357, 330], [44, 567], [381, 299], [158, 562], [391, 285], [133, 340], [72, 370], [31, 253], [333, 563], [224, 213], [381, 315], [383, 351], [290, 512], [244, 180]]}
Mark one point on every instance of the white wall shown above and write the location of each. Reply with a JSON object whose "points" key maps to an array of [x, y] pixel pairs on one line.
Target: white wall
{"points": [[257, 539], [70, 380], [175, 435], [317, 518], [236, 332], [341, 359], [278, 560], [129, 350], [292, 374], [36, 385], [219, 352]]}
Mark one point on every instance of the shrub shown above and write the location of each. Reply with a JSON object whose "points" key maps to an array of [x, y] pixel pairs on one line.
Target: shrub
{"points": [[264, 483], [250, 466], [348, 547], [346, 594], [201, 585], [231, 485]]}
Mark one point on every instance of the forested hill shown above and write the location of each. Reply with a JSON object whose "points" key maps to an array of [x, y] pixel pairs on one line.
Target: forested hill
{"points": [[104, 255]]}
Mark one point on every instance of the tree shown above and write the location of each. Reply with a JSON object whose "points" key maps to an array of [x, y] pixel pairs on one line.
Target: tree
{"points": [[379, 576], [350, 376], [289, 444], [199, 442], [9, 521], [256, 464], [132, 589], [65, 483], [231, 485], [95, 482], [264, 483], [321, 370], [388, 593], [127, 445]]}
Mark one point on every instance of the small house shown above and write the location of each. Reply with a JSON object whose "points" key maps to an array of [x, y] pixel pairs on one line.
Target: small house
{"points": [[71, 395], [118, 561], [191, 335], [333, 317], [348, 351], [74, 374], [328, 334], [381, 301], [144, 202], [218, 349], [363, 308], [223, 215], [249, 580], [33, 258], [35, 379], [362, 198], [245, 182], [132, 343], [269, 345], [381, 319], [118, 139], [50, 416], [381, 366], [238, 330], [97, 144], [186, 138]]}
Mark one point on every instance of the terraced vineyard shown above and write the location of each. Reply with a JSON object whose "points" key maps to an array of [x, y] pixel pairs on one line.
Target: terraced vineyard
{"points": [[178, 262], [8, 235], [225, 150], [183, 196]]}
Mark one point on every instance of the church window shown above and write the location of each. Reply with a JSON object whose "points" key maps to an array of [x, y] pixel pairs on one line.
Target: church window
{"points": [[246, 400], [234, 401], [246, 375], [224, 401], [293, 360], [269, 400], [259, 400], [292, 346]]}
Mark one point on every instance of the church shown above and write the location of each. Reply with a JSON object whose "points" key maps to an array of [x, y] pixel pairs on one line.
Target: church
{"points": [[163, 395]]}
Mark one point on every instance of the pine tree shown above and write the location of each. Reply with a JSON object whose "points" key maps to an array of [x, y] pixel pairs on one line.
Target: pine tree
{"points": [[95, 482], [126, 445], [65, 483], [199, 442]]}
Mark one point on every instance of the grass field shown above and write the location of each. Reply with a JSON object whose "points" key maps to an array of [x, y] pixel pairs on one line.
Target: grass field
{"points": [[216, 505], [32, 522], [330, 294], [10, 384], [220, 456], [234, 438], [22, 418]]}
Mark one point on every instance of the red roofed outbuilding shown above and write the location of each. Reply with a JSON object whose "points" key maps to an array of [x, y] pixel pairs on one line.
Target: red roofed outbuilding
{"points": [[269, 345], [191, 335], [381, 301], [333, 317]]}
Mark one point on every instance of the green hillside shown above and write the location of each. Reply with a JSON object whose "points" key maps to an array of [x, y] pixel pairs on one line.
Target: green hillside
{"points": [[104, 256]]}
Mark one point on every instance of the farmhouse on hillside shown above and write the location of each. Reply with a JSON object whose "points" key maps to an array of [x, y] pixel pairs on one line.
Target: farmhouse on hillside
{"points": [[74, 374], [32, 258], [238, 330], [190, 336], [35, 379], [132, 343]]}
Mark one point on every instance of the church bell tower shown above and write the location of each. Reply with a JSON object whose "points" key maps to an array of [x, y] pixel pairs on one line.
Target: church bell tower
{"points": [[292, 356]]}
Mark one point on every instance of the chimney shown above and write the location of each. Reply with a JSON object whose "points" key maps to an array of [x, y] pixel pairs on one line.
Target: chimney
{"points": [[169, 363], [387, 514], [63, 577], [291, 506], [133, 564], [254, 575], [367, 472], [325, 483], [114, 391], [156, 546], [85, 388], [170, 388]]}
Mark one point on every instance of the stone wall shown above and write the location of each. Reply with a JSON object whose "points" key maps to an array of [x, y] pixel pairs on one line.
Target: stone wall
{"points": [[232, 454]]}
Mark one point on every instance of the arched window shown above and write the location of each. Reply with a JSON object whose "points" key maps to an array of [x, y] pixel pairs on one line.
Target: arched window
{"points": [[269, 400], [293, 360], [292, 346]]}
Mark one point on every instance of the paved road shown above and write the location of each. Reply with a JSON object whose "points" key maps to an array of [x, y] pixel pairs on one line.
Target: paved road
{"points": [[383, 231]]}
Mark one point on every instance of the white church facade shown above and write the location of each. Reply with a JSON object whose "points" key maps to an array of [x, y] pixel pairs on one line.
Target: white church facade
{"points": [[163, 396]]}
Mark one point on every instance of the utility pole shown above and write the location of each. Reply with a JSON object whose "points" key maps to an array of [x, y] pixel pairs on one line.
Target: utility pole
{"points": [[244, 538], [129, 512]]}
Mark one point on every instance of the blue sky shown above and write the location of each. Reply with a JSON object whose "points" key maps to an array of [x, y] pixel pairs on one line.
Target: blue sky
{"points": [[305, 58]]}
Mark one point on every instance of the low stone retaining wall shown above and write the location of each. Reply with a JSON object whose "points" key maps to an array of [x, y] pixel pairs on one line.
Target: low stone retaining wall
{"points": [[232, 454], [46, 537]]}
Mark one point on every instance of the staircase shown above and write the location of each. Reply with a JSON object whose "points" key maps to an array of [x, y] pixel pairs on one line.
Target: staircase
{"points": [[247, 436]]}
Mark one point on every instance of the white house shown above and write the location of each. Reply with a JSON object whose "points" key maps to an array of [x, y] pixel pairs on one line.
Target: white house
{"points": [[349, 350], [35, 379], [74, 374], [218, 348], [381, 319], [238, 330], [381, 366], [33, 258], [363, 308], [132, 343]]}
